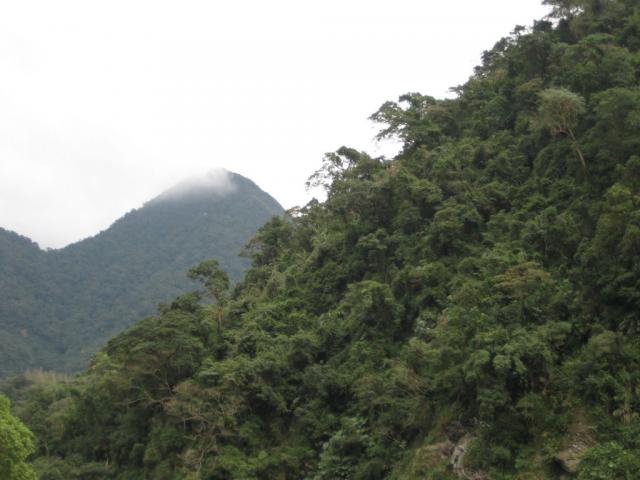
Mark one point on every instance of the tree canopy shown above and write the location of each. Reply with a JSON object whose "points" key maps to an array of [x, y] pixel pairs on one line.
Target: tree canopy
{"points": [[466, 309], [16, 444]]}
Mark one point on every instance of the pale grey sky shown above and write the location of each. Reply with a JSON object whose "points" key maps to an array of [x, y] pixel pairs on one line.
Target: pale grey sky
{"points": [[105, 104]]}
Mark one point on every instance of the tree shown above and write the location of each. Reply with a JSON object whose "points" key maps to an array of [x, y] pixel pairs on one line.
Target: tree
{"points": [[16, 444], [609, 460], [415, 120], [565, 8], [334, 167], [559, 111], [215, 280], [470, 293], [617, 114]]}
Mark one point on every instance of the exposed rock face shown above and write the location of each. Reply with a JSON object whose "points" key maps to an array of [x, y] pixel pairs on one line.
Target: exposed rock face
{"points": [[457, 460], [452, 451], [580, 439], [569, 459], [437, 452], [429, 457]]}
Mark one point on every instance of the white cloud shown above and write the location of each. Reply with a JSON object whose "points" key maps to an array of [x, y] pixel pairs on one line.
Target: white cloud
{"points": [[104, 104], [217, 180]]}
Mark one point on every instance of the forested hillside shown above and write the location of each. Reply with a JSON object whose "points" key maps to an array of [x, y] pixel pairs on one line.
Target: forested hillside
{"points": [[57, 307], [467, 310]]}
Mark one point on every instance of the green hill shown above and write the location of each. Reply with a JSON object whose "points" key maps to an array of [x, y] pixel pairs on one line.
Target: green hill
{"points": [[467, 310], [58, 306]]}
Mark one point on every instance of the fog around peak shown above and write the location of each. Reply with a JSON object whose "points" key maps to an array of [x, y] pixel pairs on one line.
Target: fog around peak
{"points": [[217, 181], [102, 110]]}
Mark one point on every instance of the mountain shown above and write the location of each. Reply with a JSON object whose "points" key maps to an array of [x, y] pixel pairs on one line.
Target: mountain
{"points": [[469, 309], [58, 306]]}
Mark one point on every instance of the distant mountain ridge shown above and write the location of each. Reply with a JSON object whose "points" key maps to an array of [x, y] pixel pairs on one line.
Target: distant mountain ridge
{"points": [[58, 306]]}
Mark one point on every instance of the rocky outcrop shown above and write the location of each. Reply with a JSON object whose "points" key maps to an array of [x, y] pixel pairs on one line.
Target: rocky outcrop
{"points": [[435, 453], [456, 461], [580, 438], [451, 452]]}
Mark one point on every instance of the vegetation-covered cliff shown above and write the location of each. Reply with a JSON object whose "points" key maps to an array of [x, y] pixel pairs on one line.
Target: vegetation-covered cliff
{"points": [[468, 309], [57, 307]]}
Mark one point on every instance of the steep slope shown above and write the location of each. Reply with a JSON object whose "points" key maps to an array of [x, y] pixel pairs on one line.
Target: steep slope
{"points": [[22, 286], [58, 306], [467, 310]]}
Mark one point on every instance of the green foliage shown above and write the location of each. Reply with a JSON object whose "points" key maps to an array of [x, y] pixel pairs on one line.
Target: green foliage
{"points": [[478, 293], [16, 444], [216, 281], [58, 307], [214, 278], [610, 460], [560, 110]]}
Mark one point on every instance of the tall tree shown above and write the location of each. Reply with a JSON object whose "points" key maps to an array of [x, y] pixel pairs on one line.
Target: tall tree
{"points": [[216, 281], [16, 444], [560, 109]]}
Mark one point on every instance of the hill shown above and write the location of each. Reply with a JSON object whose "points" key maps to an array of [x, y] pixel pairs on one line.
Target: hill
{"points": [[466, 310], [58, 306]]}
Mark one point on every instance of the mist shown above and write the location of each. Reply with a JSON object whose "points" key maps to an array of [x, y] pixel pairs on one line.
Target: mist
{"points": [[104, 105], [217, 181]]}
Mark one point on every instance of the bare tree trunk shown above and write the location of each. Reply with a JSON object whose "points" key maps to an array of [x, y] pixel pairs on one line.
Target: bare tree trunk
{"points": [[576, 147]]}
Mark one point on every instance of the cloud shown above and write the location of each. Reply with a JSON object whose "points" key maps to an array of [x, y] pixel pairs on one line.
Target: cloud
{"points": [[217, 181], [103, 105]]}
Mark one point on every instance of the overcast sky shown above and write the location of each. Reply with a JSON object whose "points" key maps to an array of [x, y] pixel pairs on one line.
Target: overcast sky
{"points": [[104, 104]]}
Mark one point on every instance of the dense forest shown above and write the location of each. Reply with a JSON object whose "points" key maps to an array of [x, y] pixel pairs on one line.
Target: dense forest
{"points": [[469, 309], [57, 307]]}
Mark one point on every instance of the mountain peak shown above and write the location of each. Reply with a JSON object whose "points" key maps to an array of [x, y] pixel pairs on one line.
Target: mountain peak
{"points": [[57, 307]]}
